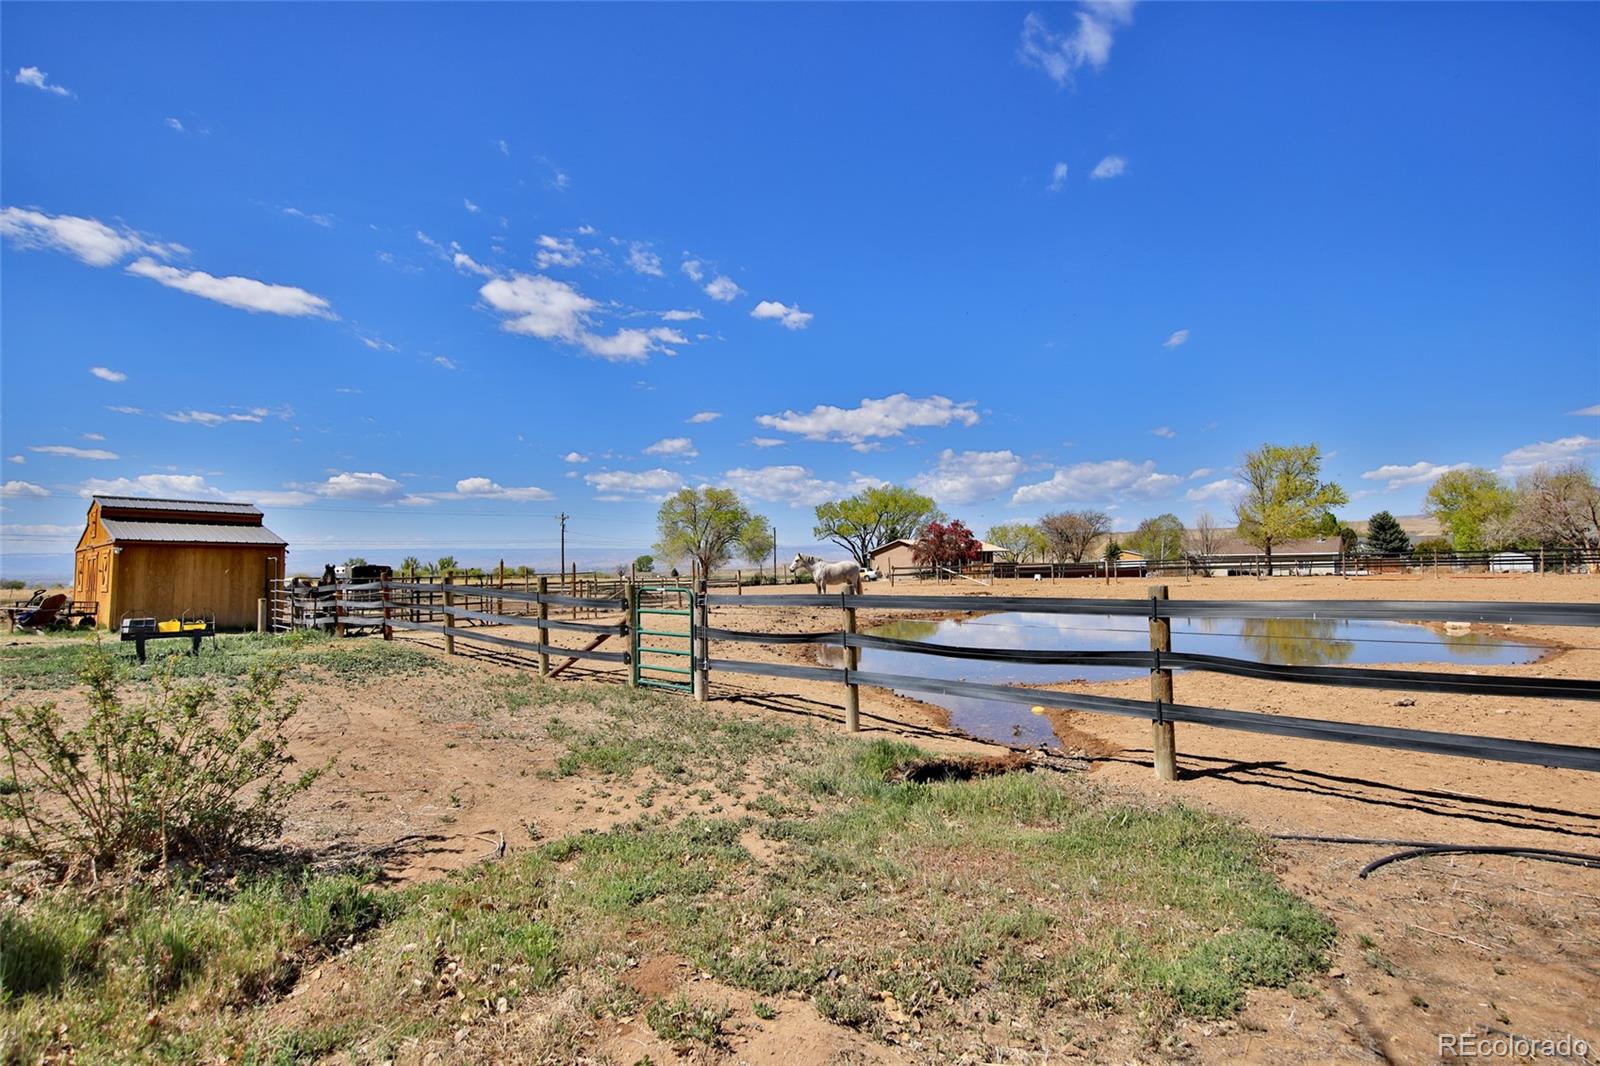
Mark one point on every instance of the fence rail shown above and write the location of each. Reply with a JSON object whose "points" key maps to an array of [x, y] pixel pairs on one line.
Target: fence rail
{"points": [[402, 604]]}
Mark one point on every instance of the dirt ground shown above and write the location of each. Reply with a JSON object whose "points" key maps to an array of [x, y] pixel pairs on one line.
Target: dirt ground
{"points": [[1440, 945]]}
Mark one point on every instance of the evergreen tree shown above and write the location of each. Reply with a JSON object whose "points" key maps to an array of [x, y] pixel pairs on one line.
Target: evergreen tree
{"points": [[1385, 537]]}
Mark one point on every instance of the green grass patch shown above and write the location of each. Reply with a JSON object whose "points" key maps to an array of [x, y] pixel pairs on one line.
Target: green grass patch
{"points": [[57, 664]]}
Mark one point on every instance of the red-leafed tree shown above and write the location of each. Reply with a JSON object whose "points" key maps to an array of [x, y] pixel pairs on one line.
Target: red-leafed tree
{"points": [[946, 545]]}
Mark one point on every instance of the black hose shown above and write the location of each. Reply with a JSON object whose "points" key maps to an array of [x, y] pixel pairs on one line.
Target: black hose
{"points": [[1418, 848]]}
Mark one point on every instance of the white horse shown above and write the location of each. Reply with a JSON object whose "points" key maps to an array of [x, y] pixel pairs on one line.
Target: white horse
{"points": [[824, 574]]}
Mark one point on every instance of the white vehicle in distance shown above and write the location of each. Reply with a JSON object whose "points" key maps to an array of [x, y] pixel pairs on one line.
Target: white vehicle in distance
{"points": [[869, 573]]}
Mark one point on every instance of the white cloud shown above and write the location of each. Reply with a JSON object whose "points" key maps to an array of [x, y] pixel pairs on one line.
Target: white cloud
{"points": [[19, 459], [22, 488], [357, 485], [701, 417], [1165, 431], [970, 477], [38, 79], [587, 231], [1111, 166], [723, 289], [88, 239], [124, 409], [505, 149], [174, 124], [557, 252], [1226, 489], [444, 361], [183, 486], [643, 261], [791, 317], [1178, 338], [107, 374], [1548, 453], [94, 436], [680, 316], [377, 344], [1100, 482], [247, 294], [1197, 474], [1595, 410], [1058, 177], [630, 345], [1060, 55], [470, 206], [768, 442], [42, 536], [574, 457], [541, 307], [888, 417], [1420, 473], [212, 418], [468, 265], [483, 488], [682, 447], [693, 269], [325, 221], [68, 451], [616, 484], [794, 485]]}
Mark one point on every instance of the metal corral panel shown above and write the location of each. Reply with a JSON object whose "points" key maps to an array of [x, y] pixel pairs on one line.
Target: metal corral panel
{"points": [[144, 503], [128, 532]]}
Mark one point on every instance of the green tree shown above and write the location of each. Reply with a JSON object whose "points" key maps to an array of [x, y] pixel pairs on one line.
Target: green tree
{"points": [[1385, 537], [1159, 538], [702, 524], [446, 563], [1069, 534], [1113, 551], [1474, 505], [1284, 496], [354, 561], [873, 517], [410, 565], [644, 564], [756, 541], [1023, 541]]}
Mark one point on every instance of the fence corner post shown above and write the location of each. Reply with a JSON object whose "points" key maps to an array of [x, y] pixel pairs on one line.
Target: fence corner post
{"points": [[449, 615], [261, 614], [852, 660], [1164, 742], [701, 646], [630, 624], [338, 608], [383, 591], [544, 631]]}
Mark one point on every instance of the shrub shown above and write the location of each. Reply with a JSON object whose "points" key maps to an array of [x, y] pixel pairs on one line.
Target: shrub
{"points": [[165, 779]]}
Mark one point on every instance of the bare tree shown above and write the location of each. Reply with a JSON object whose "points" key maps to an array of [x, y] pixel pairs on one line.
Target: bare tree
{"points": [[1559, 507], [1205, 539], [1069, 534]]}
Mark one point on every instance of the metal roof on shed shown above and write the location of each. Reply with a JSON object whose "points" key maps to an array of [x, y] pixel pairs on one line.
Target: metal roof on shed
{"points": [[119, 529], [150, 503]]}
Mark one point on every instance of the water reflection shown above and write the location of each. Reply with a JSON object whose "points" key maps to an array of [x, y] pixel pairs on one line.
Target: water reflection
{"points": [[1291, 641]]}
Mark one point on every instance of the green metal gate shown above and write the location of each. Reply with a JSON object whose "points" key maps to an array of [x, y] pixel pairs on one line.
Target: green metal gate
{"points": [[664, 602]]}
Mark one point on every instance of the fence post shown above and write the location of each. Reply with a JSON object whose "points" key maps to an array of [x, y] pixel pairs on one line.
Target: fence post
{"points": [[701, 645], [449, 618], [338, 609], [630, 623], [383, 591], [852, 659], [261, 615], [544, 632], [1164, 743]]}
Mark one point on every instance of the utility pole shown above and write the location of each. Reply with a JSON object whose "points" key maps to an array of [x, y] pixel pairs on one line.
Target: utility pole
{"points": [[563, 571]]}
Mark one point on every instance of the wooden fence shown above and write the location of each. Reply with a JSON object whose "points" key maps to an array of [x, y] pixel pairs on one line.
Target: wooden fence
{"points": [[461, 612]]}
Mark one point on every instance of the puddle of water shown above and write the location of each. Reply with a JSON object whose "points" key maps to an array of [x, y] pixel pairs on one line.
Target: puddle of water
{"points": [[1292, 641]]}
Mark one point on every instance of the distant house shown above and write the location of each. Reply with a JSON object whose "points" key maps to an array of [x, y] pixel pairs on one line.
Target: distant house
{"points": [[902, 553], [1511, 563], [149, 558]]}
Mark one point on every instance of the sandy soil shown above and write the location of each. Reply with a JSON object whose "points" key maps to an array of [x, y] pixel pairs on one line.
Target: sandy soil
{"points": [[432, 772]]}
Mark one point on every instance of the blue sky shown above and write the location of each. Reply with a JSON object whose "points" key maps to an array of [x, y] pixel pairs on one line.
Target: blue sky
{"points": [[419, 278]]}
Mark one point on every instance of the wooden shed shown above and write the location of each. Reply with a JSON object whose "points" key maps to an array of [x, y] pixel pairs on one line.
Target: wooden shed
{"points": [[149, 558]]}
